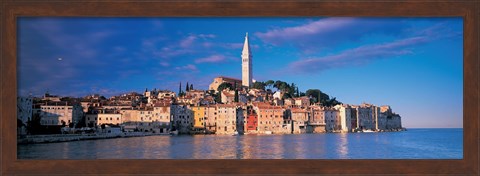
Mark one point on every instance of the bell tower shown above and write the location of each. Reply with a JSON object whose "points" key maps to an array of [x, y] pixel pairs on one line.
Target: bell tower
{"points": [[246, 64]]}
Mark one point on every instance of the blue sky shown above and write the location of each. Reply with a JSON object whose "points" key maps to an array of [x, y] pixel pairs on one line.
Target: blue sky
{"points": [[413, 64]]}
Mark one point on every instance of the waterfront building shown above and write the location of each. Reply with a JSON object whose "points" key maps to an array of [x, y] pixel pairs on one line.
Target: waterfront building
{"points": [[59, 113], [364, 117], [24, 109], [199, 114], [393, 120], [98, 119], [316, 121], [251, 120], [182, 118], [162, 115], [229, 119], [299, 120], [130, 115], [344, 123], [381, 122], [221, 79], [331, 119], [270, 118], [130, 119], [246, 63], [211, 118]]}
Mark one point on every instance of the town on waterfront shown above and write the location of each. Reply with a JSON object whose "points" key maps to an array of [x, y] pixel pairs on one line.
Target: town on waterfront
{"points": [[230, 106]]}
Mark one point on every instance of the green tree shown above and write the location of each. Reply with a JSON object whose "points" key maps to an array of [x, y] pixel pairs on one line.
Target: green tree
{"points": [[187, 88], [180, 89], [269, 83], [236, 95], [218, 97], [291, 89], [317, 95], [223, 86], [258, 85], [191, 87]]}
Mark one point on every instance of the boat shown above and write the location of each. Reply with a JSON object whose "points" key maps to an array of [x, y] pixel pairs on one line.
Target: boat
{"points": [[175, 132], [368, 131], [235, 133], [268, 132]]}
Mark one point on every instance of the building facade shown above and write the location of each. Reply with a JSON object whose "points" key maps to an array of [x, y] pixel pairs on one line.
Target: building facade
{"points": [[219, 80], [61, 113], [24, 109]]}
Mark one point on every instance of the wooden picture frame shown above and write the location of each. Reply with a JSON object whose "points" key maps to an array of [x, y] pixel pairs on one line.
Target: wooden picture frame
{"points": [[11, 10]]}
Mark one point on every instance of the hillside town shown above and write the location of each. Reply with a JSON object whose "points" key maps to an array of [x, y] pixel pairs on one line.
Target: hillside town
{"points": [[230, 106]]}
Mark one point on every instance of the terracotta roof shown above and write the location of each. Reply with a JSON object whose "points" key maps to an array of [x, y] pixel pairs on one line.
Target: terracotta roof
{"points": [[298, 110], [224, 77]]}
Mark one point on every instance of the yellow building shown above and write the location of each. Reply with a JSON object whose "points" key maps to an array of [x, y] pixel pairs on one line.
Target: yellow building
{"points": [[199, 113]]}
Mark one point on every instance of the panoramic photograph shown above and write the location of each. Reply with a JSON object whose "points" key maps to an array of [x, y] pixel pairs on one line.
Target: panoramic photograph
{"points": [[239, 88]]}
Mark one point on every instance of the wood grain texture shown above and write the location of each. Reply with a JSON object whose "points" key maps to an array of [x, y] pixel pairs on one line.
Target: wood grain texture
{"points": [[11, 10]]}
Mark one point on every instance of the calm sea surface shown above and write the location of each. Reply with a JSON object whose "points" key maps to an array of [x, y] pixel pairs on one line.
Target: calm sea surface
{"points": [[411, 144]]}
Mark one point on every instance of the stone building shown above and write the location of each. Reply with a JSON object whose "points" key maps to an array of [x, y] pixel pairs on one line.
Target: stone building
{"points": [[59, 113], [229, 119], [270, 118], [316, 121], [299, 120], [182, 118], [344, 118], [219, 80]]}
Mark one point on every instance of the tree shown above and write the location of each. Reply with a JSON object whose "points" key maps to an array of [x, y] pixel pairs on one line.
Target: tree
{"points": [[298, 92], [187, 88], [291, 89], [224, 86], [218, 97], [191, 86], [259, 85], [180, 89], [317, 96], [269, 83], [236, 95], [332, 102]]}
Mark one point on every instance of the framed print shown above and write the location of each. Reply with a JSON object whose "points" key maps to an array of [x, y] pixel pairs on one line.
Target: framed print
{"points": [[233, 87]]}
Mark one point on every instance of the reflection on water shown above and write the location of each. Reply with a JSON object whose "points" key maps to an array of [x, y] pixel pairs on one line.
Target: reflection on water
{"points": [[438, 143], [342, 146]]}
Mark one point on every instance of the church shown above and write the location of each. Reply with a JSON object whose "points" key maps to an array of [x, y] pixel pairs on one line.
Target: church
{"points": [[246, 80]]}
